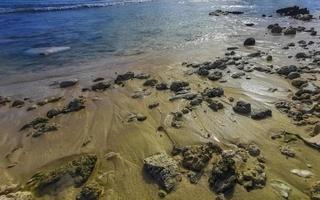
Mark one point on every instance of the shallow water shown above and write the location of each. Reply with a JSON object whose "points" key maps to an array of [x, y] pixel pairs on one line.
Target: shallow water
{"points": [[95, 30]]}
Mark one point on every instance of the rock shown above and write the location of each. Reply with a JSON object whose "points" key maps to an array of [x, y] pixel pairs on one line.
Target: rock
{"points": [[194, 177], [141, 117], [249, 42], [249, 24], [17, 103], [162, 86], [221, 13], [20, 195], [315, 191], [214, 76], [124, 77], [188, 96], [215, 105], [91, 191], [68, 83], [197, 157], [292, 11], [35, 122], [290, 31], [196, 101], [4, 100], [259, 114], [238, 75], [252, 179], [223, 175], [302, 173], [101, 86], [313, 33], [285, 70], [287, 151], [150, 82], [316, 129], [6, 189], [275, 28], [202, 71], [282, 188], [163, 169], [98, 79], [269, 58], [53, 112], [177, 86], [162, 194], [293, 75], [213, 92], [43, 128], [142, 76], [74, 106], [77, 171], [298, 82], [301, 55], [253, 150], [242, 107], [153, 105]]}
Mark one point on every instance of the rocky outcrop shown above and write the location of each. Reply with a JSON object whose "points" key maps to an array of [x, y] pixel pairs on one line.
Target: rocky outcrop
{"points": [[77, 171], [163, 169], [91, 191]]}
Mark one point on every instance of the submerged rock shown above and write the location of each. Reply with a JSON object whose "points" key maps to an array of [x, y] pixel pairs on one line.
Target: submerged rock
{"points": [[163, 169], [77, 170]]}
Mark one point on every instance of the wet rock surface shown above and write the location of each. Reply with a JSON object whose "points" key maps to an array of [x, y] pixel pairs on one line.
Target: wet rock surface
{"points": [[163, 170], [77, 170], [91, 191]]}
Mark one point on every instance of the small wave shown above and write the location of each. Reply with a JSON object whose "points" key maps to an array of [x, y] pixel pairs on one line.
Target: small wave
{"points": [[66, 7]]}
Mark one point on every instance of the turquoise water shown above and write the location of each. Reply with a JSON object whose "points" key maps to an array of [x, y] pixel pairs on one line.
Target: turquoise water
{"points": [[102, 29]]}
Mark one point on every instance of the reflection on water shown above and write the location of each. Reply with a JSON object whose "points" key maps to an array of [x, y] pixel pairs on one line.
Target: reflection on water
{"points": [[121, 30]]}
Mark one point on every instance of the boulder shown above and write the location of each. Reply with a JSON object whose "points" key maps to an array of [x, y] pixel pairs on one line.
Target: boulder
{"points": [[213, 92], [249, 42], [292, 11], [101, 86], [177, 86], [162, 86], [290, 31], [163, 169], [124, 77], [150, 82], [258, 114], [285, 70], [214, 76], [293, 75]]}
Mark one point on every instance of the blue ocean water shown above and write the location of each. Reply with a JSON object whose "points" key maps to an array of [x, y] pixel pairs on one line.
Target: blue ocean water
{"points": [[96, 29]]}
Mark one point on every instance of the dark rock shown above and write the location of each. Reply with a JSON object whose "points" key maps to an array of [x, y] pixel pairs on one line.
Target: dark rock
{"points": [[301, 55], [68, 83], [124, 77], [275, 28], [214, 76], [17, 103], [286, 70], [98, 79], [43, 128], [216, 105], [252, 179], [163, 169], [242, 107], [223, 176], [213, 92], [177, 86], [313, 33], [249, 42], [77, 171], [220, 13], [254, 55], [290, 31], [292, 11], [142, 76], [150, 82], [238, 75], [162, 86], [53, 112], [298, 82], [202, 71], [141, 117], [195, 102], [35, 122], [261, 114], [253, 150], [91, 191], [287, 151], [269, 58], [293, 75], [232, 48], [249, 24], [101, 86], [153, 105], [74, 105]]}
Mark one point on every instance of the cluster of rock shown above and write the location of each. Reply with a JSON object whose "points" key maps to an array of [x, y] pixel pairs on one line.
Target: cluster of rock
{"points": [[222, 13], [277, 29], [296, 12], [230, 168]]}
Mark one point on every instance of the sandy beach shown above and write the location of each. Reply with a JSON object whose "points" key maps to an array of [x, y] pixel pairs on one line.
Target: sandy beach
{"points": [[236, 119]]}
